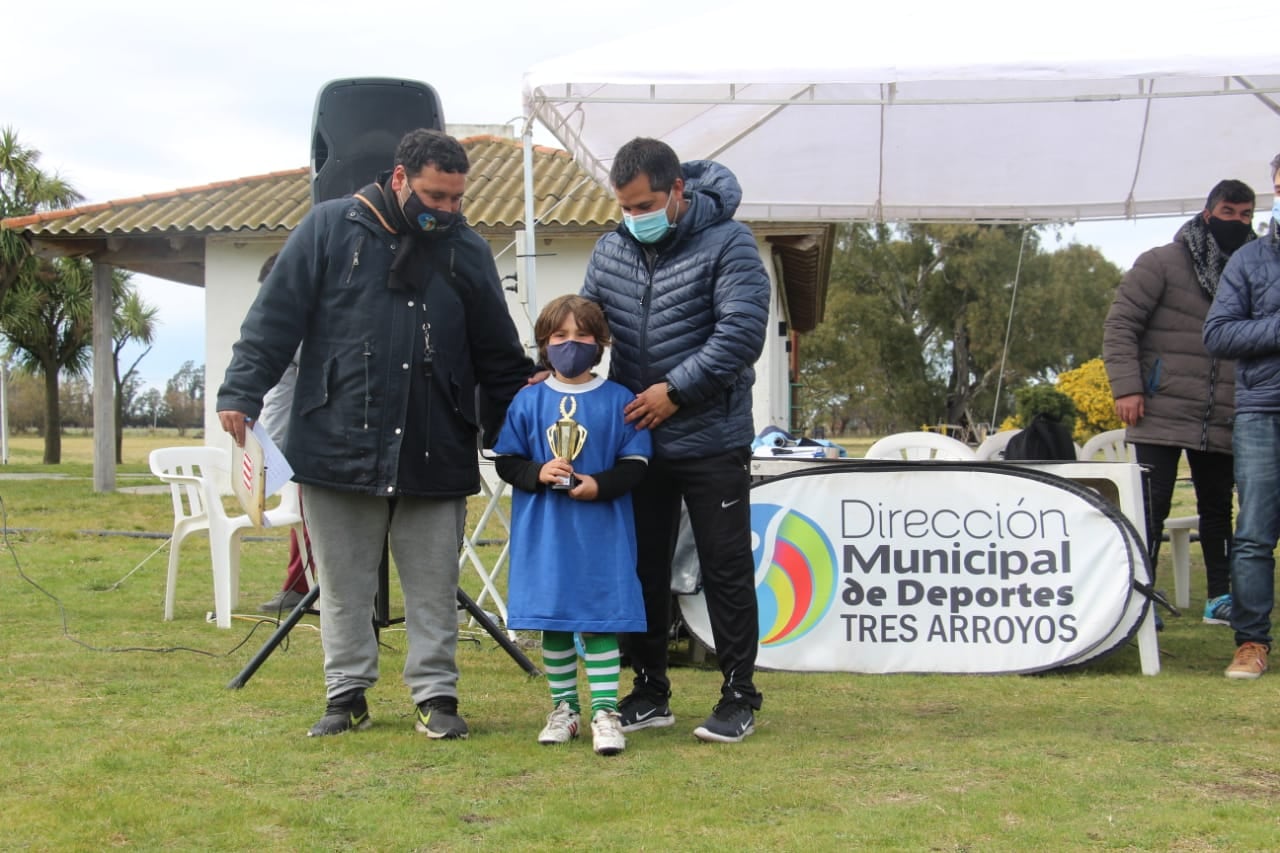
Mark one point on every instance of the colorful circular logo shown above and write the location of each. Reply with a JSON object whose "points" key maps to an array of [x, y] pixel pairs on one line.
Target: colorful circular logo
{"points": [[796, 571]]}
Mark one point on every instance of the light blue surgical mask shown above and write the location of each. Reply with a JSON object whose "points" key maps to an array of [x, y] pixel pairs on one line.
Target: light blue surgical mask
{"points": [[649, 227], [1275, 209]]}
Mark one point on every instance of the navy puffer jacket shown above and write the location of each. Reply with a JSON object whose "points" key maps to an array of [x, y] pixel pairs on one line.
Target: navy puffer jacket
{"points": [[691, 310], [1244, 323]]}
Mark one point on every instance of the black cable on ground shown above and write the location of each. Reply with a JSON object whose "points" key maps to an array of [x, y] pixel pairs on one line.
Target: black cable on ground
{"points": [[62, 610]]}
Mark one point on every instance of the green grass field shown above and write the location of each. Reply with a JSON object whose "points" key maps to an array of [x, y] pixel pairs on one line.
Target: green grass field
{"points": [[117, 730]]}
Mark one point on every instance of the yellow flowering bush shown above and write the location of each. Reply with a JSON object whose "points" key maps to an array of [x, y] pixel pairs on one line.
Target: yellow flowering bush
{"points": [[1088, 388]]}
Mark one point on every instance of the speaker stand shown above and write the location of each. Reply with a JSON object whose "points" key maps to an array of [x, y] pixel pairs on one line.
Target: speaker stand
{"points": [[381, 619]]}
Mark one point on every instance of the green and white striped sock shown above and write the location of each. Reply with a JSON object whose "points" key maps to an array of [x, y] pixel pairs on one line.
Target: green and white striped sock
{"points": [[560, 663], [602, 670]]}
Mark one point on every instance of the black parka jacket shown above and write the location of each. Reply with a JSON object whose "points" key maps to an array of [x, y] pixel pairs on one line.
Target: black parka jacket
{"points": [[372, 413]]}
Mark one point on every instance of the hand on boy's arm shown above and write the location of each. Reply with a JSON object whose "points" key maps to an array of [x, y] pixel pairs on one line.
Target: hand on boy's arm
{"points": [[650, 408]]}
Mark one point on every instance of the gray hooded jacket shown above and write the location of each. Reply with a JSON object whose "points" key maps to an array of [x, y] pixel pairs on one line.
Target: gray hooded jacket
{"points": [[1152, 344]]}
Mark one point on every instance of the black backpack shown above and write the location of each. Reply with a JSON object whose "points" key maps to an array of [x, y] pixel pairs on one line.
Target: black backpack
{"points": [[1045, 439]]}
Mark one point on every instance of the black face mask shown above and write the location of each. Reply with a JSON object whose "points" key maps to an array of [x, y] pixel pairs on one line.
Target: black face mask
{"points": [[428, 220], [1229, 234]]}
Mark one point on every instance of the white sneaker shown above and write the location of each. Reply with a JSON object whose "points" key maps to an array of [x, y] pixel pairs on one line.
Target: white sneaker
{"points": [[606, 733], [562, 725]]}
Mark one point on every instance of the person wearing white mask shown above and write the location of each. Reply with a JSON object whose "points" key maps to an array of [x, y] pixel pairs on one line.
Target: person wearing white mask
{"points": [[1244, 324]]}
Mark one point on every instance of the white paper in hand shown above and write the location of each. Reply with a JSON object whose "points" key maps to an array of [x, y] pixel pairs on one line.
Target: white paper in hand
{"points": [[279, 471]]}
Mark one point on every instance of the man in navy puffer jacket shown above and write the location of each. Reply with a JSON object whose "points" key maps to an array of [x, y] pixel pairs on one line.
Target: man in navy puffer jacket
{"points": [[1244, 323], [687, 299]]}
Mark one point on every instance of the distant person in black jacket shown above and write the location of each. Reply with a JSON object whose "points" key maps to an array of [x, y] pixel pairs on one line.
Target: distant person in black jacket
{"points": [[1170, 393]]}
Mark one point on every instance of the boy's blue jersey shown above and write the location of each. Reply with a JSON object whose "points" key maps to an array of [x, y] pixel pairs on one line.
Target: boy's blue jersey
{"points": [[573, 563]]}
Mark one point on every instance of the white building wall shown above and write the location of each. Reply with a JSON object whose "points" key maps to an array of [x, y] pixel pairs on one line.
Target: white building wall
{"points": [[231, 268], [771, 400]]}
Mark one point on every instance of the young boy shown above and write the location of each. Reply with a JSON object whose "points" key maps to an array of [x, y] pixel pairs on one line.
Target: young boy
{"points": [[572, 460]]}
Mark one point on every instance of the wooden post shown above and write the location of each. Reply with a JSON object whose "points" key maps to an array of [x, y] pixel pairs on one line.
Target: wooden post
{"points": [[104, 386]]}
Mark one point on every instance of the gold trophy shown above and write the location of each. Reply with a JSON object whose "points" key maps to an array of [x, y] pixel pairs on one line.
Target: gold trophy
{"points": [[566, 437]]}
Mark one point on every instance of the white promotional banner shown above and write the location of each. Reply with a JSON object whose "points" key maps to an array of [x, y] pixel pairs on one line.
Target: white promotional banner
{"points": [[960, 568]]}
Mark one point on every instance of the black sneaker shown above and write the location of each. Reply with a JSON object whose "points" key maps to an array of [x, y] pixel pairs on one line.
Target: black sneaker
{"points": [[438, 719], [730, 722], [643, 711], [348, 712]]}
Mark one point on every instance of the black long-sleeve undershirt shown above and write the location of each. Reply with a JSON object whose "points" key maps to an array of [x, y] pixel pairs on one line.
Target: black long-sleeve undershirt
{"points": [[611, 483]]}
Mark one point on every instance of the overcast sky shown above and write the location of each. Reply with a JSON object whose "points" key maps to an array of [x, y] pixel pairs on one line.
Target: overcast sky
{"points": [[136, 96]]}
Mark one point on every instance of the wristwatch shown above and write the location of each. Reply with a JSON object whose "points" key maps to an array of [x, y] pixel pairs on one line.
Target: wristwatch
{"points": [[673, 394]]}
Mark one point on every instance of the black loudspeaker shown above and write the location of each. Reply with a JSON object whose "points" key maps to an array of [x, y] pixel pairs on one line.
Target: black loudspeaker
{"points": [[357, 125]]}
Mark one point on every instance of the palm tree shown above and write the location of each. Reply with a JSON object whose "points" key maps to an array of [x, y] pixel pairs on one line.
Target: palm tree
{"points": [[24, 189], [135, 320], [48, 318]]}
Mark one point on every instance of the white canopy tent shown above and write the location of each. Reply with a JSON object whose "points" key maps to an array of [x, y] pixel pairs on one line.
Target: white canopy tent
{"points": [[932, 110]]}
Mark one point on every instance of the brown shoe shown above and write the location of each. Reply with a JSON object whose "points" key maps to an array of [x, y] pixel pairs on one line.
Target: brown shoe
{"points": [[1250, 661]]}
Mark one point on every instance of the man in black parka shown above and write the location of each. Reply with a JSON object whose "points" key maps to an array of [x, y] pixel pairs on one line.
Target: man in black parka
{"points": [[398, 307]]}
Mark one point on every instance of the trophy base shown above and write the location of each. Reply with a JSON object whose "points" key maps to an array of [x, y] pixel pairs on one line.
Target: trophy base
{"points": [[565, 484]]}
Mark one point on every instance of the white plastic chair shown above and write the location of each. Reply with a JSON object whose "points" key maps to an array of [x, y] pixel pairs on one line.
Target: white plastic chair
{"points": [[1179, 529], [993, 446], [195, 476], [920, 445], [1110, 444]]}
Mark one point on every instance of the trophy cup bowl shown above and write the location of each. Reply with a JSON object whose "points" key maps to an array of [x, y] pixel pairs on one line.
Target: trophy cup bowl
{"points": [[565, 445]]}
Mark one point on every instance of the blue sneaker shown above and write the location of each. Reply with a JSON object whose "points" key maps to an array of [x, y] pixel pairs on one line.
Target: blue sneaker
{"points": [[1217, 611], [730, 722]]}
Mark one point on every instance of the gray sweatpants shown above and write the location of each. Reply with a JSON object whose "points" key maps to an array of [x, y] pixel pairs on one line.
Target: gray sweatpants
{"points": [[347, 531]]}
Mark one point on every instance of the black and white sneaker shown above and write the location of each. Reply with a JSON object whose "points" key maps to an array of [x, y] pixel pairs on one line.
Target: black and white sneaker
{"points": [[438, 719], [643, 711], [730, 722], [344, 713]]}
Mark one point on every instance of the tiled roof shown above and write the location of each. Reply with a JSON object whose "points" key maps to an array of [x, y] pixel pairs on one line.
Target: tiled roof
{"points": [[163, 234], [278, 200]]}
